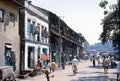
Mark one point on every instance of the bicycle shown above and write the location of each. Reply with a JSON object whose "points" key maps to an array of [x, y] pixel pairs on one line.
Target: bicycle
{"points": [[74, 70]]}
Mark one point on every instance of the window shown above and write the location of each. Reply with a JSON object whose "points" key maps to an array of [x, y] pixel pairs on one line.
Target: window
{"points": [[33, 27], [8, 54], [6, 18], [9, 19], [12, 18], [28, 25], [43, 32], [38, 31], [1, 15]]}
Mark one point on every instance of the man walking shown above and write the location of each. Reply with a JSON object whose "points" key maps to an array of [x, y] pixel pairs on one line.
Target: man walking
{"points": [[94, 61], [105, 64], [74, 62]]}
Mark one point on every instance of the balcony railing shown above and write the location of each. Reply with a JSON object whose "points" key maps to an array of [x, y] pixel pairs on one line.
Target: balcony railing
{"points": [[44, 40], [31, 37]]}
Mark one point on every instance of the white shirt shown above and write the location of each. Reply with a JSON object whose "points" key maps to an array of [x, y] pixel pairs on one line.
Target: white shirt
{"points": [[74, 62], [48, 67], [118, 67]]}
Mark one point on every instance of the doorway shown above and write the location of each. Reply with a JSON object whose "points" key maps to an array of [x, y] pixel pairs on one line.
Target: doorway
{"points": [[31, 57]]}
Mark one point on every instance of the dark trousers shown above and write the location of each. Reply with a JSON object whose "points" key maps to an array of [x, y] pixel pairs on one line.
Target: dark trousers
{"points": [[63, 65], [105, 69], [47, 75], [118, 74], [94, 63]]}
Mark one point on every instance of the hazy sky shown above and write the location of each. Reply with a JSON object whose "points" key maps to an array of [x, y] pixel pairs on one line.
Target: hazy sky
{"points": [[83, 16]]}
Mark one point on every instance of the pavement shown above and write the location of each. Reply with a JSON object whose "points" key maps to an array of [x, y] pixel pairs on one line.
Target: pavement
{"points": [[86, 72]]}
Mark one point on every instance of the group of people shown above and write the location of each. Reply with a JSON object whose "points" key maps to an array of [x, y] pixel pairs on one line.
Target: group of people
{"points": [[105, 63], [51, 66], [47, 69]]}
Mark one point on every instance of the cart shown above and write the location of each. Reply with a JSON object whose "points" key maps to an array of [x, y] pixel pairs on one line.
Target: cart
{"points": [[7, 73]]}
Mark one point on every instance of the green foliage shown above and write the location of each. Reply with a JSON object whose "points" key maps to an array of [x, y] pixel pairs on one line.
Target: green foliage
{"points": [[111, 25], [103, 4], [105, 12]]}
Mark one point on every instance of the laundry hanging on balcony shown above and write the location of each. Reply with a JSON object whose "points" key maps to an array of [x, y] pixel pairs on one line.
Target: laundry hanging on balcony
{"points": [[37, 30], [45, 57]]}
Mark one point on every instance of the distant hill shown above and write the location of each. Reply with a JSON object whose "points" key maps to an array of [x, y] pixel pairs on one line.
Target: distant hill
{"points": [[100, 47]]}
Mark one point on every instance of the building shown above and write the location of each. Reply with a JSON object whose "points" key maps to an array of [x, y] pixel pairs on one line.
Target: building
{"points": [[9, 34], [64, 41], [34, 39]]}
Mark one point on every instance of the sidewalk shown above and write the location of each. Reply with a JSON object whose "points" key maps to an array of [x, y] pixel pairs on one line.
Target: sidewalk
{"points": [[86, 72]]}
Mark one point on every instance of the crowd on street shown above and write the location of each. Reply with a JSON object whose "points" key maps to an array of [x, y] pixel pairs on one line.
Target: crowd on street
{"points": [[107, 62], [103, 66]]}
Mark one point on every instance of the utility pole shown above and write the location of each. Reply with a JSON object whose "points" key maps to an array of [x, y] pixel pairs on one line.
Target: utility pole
{"points": [[60, 42]]}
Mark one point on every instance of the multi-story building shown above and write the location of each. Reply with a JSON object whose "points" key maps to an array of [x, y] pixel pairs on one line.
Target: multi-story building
{"points": [[64, 41], [9, 34], [34, 39]]}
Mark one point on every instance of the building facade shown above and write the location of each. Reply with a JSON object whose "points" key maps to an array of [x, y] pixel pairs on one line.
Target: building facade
{"points": [[9, 34], [29, 34], [65, 43], [34, 40]]}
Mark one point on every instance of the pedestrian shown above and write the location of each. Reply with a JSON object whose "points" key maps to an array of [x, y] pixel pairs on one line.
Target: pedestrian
{"points": [[94, 61], [118, 70], [46, 70], [74, 62], [63, 64], [112, 62], [63, 58], [48, 66], [40, 67], [90, 59], [98, 59], [105, 64]]}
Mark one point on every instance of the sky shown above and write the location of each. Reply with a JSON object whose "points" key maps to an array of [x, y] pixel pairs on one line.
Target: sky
{"points": [[83, 16]]}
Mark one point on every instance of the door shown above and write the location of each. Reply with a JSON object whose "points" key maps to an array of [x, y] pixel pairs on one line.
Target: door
{"points": [[31, 57]]}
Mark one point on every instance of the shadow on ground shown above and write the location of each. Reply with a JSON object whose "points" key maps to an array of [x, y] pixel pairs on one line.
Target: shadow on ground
{"points": [[86, 73], [96, 78], [98, 67]]}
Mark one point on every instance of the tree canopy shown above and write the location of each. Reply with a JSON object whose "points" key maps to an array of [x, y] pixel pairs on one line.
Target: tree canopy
{"points": [[111, 24]]}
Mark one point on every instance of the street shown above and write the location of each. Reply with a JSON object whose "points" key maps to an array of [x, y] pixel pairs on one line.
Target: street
{"points": [[86, 72]]}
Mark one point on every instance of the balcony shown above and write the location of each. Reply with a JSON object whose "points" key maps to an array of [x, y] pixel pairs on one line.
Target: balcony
{"points": [[30, 36], [43, 40]]}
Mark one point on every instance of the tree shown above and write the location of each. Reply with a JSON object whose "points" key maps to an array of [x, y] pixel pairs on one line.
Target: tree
{"points": [[111, 24]]}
